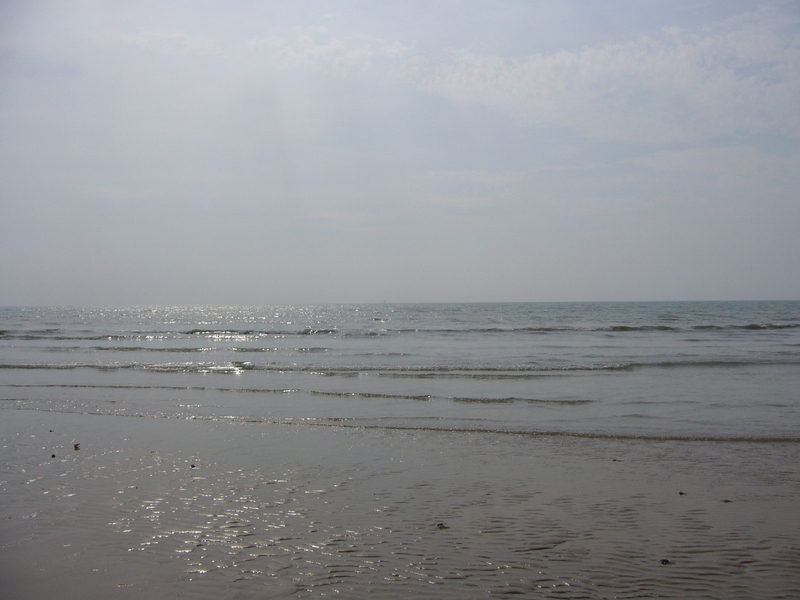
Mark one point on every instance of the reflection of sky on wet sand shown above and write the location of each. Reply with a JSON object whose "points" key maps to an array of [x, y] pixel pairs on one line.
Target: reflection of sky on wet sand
{"points": [[296, 509]]}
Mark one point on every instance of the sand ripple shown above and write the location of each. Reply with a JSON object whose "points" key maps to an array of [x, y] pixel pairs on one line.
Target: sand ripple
{"points": [[220, 510]]}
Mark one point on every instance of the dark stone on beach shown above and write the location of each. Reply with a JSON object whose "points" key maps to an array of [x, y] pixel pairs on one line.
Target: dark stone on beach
{"points": [[442, 526], [52, 456], [665, 561], [727, 501], [76, 446], [194, 467], [681, 493]]}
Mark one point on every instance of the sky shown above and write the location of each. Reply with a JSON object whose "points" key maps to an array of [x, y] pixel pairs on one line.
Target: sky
{"points": [[297, 152]]}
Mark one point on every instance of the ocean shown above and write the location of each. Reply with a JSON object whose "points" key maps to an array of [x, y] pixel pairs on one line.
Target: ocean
{"points": [[560, 450], [714, 370]]}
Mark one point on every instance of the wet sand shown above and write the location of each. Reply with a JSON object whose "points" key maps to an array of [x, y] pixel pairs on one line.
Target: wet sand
{"points": [[169, 508]]}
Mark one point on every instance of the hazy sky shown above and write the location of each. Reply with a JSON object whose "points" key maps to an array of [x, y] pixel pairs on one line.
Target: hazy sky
{"points": [[263, 152]]}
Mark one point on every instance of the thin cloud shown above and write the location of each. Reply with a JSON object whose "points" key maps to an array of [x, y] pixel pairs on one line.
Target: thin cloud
{"points": [[739, 76], [742, 76], [170, 42], [305, 51]]}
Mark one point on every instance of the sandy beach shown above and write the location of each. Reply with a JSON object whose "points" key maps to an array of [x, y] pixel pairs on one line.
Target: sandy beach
{"points": [[171, 508]]}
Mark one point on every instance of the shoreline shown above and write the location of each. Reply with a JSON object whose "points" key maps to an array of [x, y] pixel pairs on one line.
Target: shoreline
{"points": [[197, 508], [341, 423]]}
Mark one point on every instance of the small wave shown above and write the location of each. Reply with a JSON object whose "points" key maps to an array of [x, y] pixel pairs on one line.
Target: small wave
{"points": [[513, 399], [459, 370], [193, 388], [109, 386], [369, 395], [345, 423], [365, 333], [728, 364], [621, 328], [255, 350], [256, 332], [589, 329], [221, 332], [43, 367], [573, 434], [228, 333], [146, 349], [334, 394], [466, 371], [758, 326], [488, 376], [62, 338], [485, 400], [480, 330], [645, 328]]}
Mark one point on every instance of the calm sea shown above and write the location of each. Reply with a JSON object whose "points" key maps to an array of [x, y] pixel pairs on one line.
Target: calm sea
{"points": [[665, 370]]}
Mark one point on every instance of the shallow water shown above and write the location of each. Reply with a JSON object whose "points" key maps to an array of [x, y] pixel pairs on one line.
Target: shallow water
{"points": [[705, 369]]}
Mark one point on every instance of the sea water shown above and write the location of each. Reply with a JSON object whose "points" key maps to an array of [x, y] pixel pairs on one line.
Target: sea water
{"points": [[671, 370]]}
